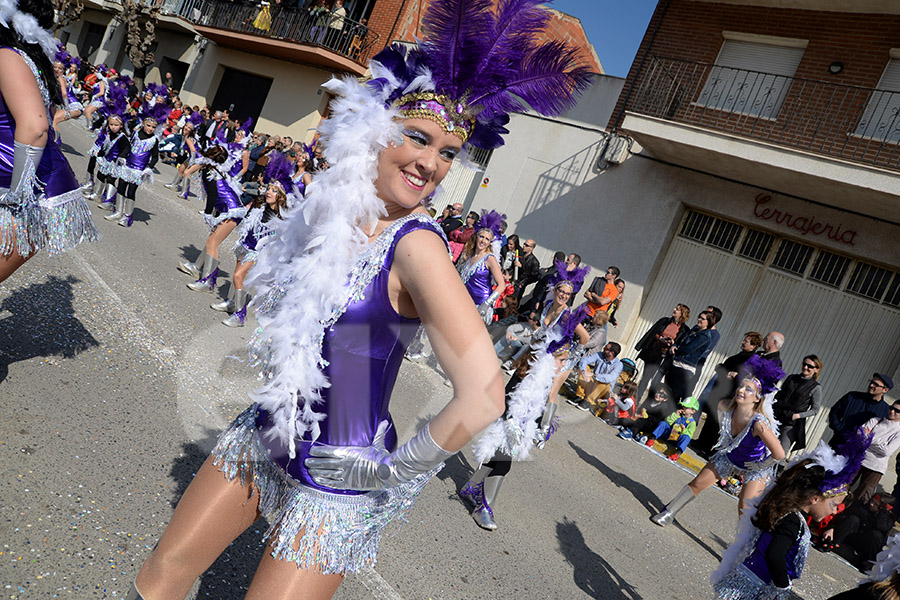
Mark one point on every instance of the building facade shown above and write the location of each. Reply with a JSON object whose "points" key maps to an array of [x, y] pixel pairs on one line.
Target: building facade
{"points": [[751, 162]]}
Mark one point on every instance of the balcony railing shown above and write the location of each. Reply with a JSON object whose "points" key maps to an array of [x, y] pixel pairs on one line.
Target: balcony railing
{"points": [[353, 40], [855, 123]]}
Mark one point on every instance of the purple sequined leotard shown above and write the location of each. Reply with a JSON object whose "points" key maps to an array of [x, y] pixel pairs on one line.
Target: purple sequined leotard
{"points": [[365, 349], [477, 279], [52, 213], [223, 201], [738, 452]]}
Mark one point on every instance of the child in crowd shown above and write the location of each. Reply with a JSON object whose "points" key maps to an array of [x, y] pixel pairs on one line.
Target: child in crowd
{"points": [[652, 413], [773, 540], [678, 428], [620, 409]]}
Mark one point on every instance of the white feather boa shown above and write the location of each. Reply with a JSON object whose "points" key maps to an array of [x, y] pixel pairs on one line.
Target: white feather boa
{"points": [[513, 434], [302, 271], [27, 27]]}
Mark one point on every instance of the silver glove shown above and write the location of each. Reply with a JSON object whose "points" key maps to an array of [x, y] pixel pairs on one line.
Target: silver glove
{"points": [[762, 465], [545, 429], [22, 154], [486, 308], [373, 467]]}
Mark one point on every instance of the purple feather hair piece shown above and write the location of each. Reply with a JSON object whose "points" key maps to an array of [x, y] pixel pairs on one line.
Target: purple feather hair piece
{"points": [[566, 328], [853, 448], [575, 276], [196, 119], [490, 63], [492, 221], [767, 372], [280, 169], [247, 126], [160, 111], [116, 100]]}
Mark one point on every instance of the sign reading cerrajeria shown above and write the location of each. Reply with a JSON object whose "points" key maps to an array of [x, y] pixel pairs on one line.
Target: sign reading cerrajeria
{"points": [[804, 224]]}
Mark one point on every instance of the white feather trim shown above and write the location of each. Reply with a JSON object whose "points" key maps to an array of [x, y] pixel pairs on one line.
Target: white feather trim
{"points": [[301, 272], [887, 562], [27, 27]]}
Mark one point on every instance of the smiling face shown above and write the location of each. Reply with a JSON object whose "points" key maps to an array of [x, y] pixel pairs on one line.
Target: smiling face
{"points": [[562, 293], [483, 240], [410, 172], [747, 392], [273, 191], [149, 127]]}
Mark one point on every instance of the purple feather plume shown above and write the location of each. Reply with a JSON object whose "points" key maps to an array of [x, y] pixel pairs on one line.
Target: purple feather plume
{"points": [[567, 324], [280, 169], [160, 111], [575, 276], [196, 119], [768, 373], [853, 448], [493, 221], [247, 126], [116, 100]]}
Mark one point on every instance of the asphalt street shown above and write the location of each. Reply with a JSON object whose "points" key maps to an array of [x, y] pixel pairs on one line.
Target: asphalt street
{"points": [[115, 380]]}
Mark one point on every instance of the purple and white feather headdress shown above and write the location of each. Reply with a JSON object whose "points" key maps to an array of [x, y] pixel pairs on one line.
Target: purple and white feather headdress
{"points": [[766, 373], [477, 64], [493, 222], [575, 277], [841, 464]]}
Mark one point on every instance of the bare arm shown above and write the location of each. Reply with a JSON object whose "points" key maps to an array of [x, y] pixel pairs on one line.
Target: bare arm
{"points": [[23, 97], [762, 431], [494, 267], [426, 283]]}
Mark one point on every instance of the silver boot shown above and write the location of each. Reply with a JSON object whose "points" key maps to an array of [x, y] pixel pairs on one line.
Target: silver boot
{"points": [[667, 515], [175, 183], [108, 196], [484, 514], [241, 299], [208, 276], [473, 490], [89, 189], [193, 268], [118, 212], [127, 213], [226, 305]]}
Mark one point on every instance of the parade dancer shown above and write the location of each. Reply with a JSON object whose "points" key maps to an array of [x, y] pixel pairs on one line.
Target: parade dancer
{"points": [[530, 416], [137, 169], [256, 226], [187, 154], [773, 539], [478, 264], [72, 107], [342, 285], [98, 95], [114, 149], [748, 446], [40, 199]]}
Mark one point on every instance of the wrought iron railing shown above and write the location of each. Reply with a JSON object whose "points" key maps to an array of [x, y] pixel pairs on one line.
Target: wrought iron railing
{"points": [[851, 122], [338, 34]]}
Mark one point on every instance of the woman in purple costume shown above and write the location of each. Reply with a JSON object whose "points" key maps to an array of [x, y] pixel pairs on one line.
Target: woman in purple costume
{"points": [[108, 152], [222, 214], [748, 444], [40, 200], [98, 95], [341, 288], [72, 107], [138, 167], [478, 265]]}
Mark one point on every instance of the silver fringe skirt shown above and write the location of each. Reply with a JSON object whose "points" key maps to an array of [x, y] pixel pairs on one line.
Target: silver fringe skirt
{"points": [[742, 584], [725, 469], [333, 533], [56, 224]]}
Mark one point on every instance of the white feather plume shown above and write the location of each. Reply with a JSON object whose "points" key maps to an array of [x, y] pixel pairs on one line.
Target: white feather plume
{"points": [[302, 271], [27, 27]]}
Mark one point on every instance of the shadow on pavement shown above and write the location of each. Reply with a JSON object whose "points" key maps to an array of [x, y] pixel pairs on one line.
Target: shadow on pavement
{"points": [[642, 494], [42, 323], [592, 574], [229, 577]]}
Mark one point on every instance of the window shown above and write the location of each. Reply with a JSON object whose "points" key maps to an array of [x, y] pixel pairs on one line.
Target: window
{"points": [[893, 295], [696, 226], [869, 281], [751, 77], [829, 268], [724, 235], [792, 257], [881, 119], [756, 245]]}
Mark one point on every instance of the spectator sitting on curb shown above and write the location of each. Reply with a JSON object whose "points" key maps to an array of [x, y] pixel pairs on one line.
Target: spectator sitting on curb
{"points": [[597, 374], [678, 428], [620, 409], [651, 414], [518, 335]]}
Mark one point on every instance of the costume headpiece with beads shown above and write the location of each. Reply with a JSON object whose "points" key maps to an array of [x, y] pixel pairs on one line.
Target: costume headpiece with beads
{"points": [[575, 277], [841, 464]]}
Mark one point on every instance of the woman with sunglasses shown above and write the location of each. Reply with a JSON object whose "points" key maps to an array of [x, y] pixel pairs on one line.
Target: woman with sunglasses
{"points": [[799, 398]]}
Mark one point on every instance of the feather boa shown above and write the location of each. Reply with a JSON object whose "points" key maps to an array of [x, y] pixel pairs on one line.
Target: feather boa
{"points": [[301, 273], [27, 27]]}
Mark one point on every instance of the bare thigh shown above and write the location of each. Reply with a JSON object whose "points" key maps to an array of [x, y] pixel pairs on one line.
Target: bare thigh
{"points": [[282, 580], [218, 236], [705, 478], [9, 264], [749, 491], [212, 513]]}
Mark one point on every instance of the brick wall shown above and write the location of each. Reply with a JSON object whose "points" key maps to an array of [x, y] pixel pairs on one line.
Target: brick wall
{"points": [[692, 30], [409, 26]]}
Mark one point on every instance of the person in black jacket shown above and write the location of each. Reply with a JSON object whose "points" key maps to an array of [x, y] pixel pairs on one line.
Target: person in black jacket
{"points": [[454, 221], [859, 533], [799, 398], [655, 342], [529, 268]]}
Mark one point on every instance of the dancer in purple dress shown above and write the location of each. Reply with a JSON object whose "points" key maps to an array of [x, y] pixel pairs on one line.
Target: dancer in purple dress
{"points": [[112, 148], [138, 168], [72, 107], [748, 444], [40, 199], [342, 286], [478, 264]]}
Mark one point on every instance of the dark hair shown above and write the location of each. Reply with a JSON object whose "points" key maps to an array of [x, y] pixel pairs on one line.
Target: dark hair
{"points": [[280, 204], [576, 258], [628, 389], [710, 318], [755, 338], [42, 10], [793, 490], [615, 270], [472, 215], [217, 154], [615, 347], [716, 312], [817, 361], [512, 306], [559, 255]]}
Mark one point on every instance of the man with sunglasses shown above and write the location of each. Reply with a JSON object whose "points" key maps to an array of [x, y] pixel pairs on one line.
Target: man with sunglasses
{"points": [[885, 441], [856, 408], [602, 291], [529, 268]]}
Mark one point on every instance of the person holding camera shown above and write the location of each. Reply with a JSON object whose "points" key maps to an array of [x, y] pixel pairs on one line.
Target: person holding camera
{"points": [[653, 345]]}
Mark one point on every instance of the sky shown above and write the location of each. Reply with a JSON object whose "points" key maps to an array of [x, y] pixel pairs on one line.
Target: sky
{"points": [[615, 28]]}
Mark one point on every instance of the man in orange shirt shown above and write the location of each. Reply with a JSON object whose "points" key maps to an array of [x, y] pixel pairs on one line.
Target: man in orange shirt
{"points": [[602, 291]]}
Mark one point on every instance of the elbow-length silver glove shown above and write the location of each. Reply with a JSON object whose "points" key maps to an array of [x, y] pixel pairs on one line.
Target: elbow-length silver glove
{"points": [[486, 308], [373, 467], [545, 429], [23, 154]]}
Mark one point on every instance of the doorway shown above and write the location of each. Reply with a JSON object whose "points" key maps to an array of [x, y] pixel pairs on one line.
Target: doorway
{"points": [[242, 94]]}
